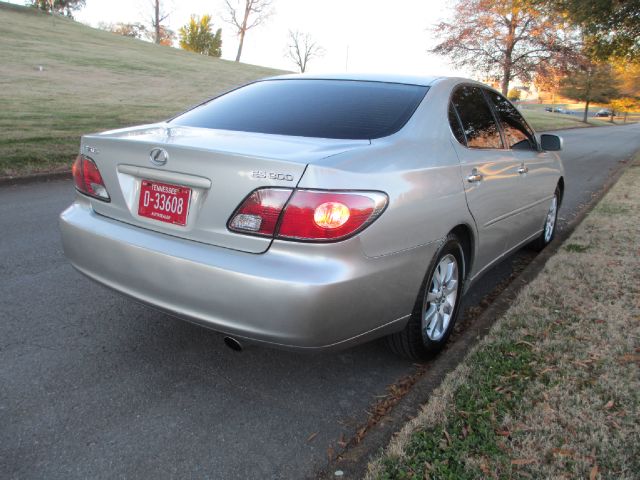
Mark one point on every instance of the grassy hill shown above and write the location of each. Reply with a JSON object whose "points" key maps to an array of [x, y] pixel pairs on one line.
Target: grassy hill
{"points": [[90, 80]]}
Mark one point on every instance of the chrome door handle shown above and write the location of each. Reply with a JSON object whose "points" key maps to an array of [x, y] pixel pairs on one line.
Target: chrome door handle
{"points": [[474, 177], [523, 170]]}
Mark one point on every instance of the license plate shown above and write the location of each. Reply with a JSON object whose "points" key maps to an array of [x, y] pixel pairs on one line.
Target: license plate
{"points": [[164, 202]]}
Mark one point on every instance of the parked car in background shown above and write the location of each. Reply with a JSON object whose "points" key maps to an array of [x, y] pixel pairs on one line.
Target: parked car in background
{"points": [[558, 110], [604, 113], [316, 212]]}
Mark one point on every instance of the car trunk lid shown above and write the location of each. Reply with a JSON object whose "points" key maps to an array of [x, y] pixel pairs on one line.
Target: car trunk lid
{"points": [[215, 169]]}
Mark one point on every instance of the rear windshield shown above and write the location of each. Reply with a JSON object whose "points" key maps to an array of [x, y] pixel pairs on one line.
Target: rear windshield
{"points": [[341, 109]]}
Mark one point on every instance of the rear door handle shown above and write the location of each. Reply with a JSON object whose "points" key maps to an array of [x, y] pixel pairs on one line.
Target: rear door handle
{"points": [[474, 177], [522, 170]]}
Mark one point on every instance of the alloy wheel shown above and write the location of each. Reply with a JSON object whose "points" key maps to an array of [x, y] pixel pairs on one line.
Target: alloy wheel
{"points": [[440, 300], [550, 222]]}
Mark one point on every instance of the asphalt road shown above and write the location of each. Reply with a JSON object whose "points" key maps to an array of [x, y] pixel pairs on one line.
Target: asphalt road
{"points": [[93, 385]]}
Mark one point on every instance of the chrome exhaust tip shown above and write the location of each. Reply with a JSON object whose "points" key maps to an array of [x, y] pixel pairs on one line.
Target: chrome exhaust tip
{"points": [[233, 344]]}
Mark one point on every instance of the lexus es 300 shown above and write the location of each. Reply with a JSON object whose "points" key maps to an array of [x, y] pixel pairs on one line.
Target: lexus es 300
{"points": [[316, 212]]}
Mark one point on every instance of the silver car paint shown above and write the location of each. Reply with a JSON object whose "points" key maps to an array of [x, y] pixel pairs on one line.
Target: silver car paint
{"points": [[294, 295], [302, 295]]}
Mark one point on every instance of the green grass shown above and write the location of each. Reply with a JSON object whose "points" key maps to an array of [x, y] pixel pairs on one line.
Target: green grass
{"points": [[91, 81], [495, 386], [575, 247]]}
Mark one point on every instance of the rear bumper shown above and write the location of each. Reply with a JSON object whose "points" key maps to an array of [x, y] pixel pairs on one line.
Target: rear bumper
{"points": [[303, 296]]}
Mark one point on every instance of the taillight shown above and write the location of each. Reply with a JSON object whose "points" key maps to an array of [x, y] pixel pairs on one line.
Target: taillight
{"points": [[260, 211], [326, 216], [310, 215], [87, 178]]}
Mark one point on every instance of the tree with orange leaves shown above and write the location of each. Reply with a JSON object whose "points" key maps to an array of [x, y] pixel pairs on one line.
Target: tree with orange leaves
{"points": [[507, 38]]}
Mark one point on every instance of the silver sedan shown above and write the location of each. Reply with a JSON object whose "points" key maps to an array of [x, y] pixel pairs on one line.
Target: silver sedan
{"points": [[316, 212]]}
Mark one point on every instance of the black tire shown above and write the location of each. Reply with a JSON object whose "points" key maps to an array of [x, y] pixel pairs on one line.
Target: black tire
{"points": [[545, 239], [413, 342]]}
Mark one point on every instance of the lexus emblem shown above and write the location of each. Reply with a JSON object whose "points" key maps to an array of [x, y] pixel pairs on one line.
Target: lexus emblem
{"points": [[158, 156]]}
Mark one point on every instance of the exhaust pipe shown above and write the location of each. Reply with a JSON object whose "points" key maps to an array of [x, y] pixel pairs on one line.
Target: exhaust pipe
{"points": [[233, 344]]}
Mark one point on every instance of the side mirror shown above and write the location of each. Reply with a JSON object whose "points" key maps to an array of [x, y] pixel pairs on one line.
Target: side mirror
{"points": [[550, 143]]}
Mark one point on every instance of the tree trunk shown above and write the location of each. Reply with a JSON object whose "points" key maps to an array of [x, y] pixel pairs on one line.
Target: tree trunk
{"points": [[157, 20], [586, 111], [243, 29], [510, 44], [506, 73], [587, 95], [240, 46]]}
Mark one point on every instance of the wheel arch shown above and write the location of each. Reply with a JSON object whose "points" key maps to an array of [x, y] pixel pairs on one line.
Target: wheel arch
{"points": [[561, 188], [467, 240]]}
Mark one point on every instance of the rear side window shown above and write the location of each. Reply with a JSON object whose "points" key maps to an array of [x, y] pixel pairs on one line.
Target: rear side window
{"points": [[456, 128], [478, 123], [518, 134], [340, 109]]}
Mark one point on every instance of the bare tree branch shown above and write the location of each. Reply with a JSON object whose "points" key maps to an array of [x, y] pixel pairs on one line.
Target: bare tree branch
{"points": [[245, 15], [301, 48], [160, 33]]}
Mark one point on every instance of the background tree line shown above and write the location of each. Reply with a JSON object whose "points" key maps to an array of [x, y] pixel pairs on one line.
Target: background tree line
{"points": [[199, 34], [586, 50]]}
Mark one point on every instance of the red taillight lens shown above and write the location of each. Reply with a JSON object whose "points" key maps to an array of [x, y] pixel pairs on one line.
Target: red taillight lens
{"points": [[259, 213], [326, 216], [87, 178], [318, 216]]}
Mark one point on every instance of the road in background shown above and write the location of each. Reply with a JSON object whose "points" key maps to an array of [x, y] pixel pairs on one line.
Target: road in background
{"points": [[94, 385]]}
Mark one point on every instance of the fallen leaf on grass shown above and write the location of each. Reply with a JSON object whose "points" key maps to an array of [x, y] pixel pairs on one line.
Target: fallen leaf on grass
{"points": [[609, 405], [523, 461], [503, 433], [594, 473], [563, 452], [629, 358], [446, 434], [330, 453]]}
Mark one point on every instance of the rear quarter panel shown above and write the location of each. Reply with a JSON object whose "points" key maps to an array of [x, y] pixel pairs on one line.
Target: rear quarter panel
{"points": [[419, 171]]}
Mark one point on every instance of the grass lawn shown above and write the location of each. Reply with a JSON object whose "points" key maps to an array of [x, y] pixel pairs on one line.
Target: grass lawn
{"points": [[91, 81], [541, 120], [60, 79], [553, 391]]}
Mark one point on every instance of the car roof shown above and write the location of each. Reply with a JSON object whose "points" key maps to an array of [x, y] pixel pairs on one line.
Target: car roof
{"points": [[368, 77]]}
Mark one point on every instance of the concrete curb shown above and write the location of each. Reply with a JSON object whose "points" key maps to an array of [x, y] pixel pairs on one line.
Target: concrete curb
{"points": [[354, 460], [35, 177]]}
